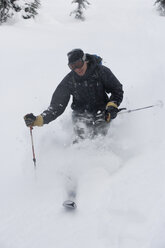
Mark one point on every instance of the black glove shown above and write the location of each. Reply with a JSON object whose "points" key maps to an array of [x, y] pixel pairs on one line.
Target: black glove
{"points": [[32, 120], [29, 119], [111, 111]]}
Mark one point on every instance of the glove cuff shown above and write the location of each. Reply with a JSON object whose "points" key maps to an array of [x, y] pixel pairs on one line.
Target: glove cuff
{"points": [[111, 104], [39, 121]]}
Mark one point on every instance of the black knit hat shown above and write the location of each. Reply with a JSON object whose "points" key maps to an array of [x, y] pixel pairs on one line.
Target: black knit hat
{"points": [[75, 55]]}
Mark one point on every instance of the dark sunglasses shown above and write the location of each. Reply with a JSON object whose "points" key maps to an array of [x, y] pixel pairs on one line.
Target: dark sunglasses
{"points": [[76, 65]]}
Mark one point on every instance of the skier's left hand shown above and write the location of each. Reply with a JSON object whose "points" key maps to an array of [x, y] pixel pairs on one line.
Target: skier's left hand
{"points": [[111, 111]]}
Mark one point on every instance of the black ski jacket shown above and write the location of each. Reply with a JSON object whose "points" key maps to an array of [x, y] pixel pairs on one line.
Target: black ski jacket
{"points": [[89, 92]]}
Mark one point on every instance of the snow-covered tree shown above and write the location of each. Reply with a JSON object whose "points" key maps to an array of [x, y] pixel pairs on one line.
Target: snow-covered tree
{"points": [[161, 6], [6, 10], [27, 8], [30, 9], [81, 5]]}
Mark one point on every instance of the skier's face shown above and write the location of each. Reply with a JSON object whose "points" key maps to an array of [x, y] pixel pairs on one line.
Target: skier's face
{"points": [[81, 71]]}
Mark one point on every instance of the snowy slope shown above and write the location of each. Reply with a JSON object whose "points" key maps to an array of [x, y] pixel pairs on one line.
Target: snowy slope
{"points": [[120, 179]]}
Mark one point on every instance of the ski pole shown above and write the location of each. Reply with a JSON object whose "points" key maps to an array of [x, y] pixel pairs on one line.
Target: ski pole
{"points": [[159, 104], [33, 152]]}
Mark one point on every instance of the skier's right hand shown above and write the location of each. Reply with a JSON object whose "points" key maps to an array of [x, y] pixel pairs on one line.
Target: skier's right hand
{"points": [[32, 120]]}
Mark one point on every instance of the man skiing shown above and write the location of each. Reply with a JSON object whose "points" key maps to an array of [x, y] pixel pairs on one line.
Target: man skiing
{"points": [[89, 84]]}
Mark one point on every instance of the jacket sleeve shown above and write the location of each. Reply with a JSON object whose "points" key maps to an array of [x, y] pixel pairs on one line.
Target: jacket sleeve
{"points": [[58, 103], [112, 85]]}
